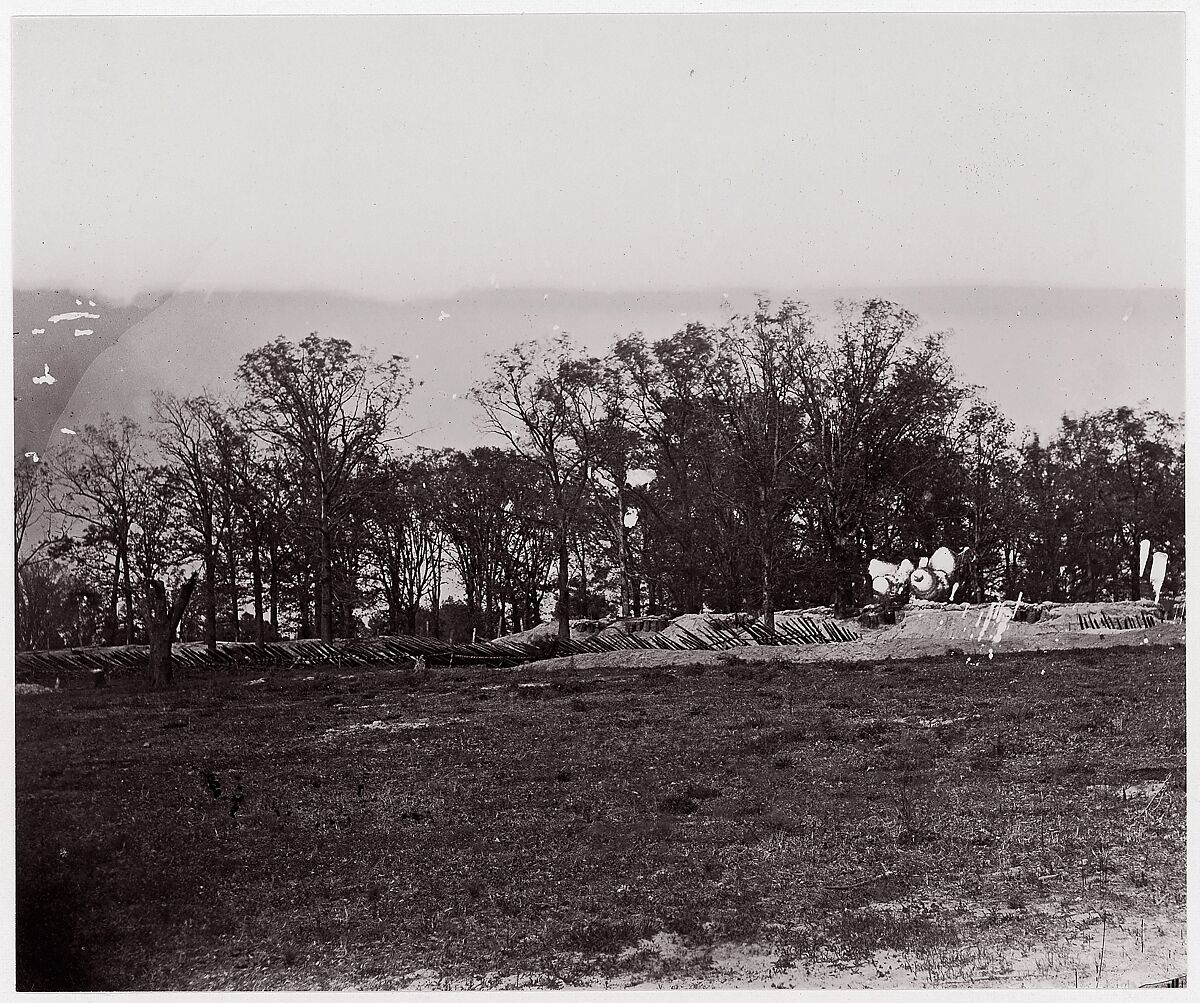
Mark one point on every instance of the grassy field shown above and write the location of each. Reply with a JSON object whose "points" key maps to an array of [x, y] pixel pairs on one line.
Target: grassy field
{"points": [[896, 823]]}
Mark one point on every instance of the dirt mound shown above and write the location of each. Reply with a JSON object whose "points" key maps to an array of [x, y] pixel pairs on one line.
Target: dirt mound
{"points": [[581, 630], [636, 625], [921, 633]]}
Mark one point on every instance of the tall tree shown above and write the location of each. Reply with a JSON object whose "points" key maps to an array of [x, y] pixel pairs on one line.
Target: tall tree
{"points": [[97, 481], [526, 400], [598, 394], [880, 399], [39, 537], [332, 408], [159, 550], [687, 529], [403, 542], [754, 380], [187, 440]]}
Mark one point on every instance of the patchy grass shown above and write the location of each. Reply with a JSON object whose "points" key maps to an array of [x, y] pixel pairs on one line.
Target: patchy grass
{"points": [[456, 828]]}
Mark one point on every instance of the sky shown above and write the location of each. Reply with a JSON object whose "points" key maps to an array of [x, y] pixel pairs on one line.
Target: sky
{"points": [[414, 156]]}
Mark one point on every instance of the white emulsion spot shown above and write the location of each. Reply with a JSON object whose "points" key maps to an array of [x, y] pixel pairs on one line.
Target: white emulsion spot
{"points": [[79, 302], [68, 431], [85, 333], [640, 478], [91, 302], [39, 330], [32, 456], [631, 518], [74, 315], [47, 378], [443, 316]]}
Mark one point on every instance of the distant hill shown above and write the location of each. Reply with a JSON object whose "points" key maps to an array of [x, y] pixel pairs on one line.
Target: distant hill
{"points": [[1037, 352], [44, 334]]}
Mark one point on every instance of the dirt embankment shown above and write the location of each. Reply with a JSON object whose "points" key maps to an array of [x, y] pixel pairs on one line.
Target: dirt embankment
{"points": [[925, 630]]}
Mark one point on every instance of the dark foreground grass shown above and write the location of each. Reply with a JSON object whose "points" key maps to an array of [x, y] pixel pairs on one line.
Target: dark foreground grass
{"points": [[373, 828]]}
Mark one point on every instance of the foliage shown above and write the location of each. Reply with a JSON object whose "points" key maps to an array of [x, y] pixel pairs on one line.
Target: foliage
{"points": [[786, 452]]}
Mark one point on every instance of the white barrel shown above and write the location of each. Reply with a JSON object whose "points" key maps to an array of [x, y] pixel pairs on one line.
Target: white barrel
{"points": [[943, 561], [923, 583], [881, 569]]}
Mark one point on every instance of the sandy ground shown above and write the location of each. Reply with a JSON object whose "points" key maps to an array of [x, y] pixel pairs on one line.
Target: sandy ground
{"points": [[1109, 952], [1056, 945]]}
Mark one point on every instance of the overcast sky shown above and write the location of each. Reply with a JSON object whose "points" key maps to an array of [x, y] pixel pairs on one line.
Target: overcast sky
{"points": [[420, 155]]}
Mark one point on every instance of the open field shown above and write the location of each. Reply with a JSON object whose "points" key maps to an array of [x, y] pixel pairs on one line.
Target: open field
{"points": [[712, 822]]}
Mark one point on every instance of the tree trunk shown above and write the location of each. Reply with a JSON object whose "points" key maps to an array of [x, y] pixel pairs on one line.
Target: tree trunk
{"points": [[844, 562], [325, 575], [623, 551], [768, 592], [273, 553], [110, 617], [564, 586], [210, 597], [435, 599], [21, 629], [1135, 578], [392, 594], [161, 624], [581, 553], [304, 630], [128, 591], [256, 572]]}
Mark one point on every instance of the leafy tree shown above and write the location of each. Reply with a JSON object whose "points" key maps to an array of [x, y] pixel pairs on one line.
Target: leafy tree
{"points": [[332, 408], [501, 530], [527, 401], [761, 427], [404, 544], [880, 399], [1122, 471], [686, 529]]}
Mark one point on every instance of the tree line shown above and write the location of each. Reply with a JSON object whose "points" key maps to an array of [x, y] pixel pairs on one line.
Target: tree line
{"points": [[750, 466]]}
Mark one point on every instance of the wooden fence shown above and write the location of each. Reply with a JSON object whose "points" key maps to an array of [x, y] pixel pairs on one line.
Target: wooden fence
{"points": [[402, 650]]}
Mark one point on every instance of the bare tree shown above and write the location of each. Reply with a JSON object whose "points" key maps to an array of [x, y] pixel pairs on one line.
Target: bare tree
{"points": [[34, 512], [187, 440], [96, 484], [159, 550]]}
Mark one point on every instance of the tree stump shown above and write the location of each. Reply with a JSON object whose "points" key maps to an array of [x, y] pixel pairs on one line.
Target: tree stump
{"points": [[161, 624]]}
